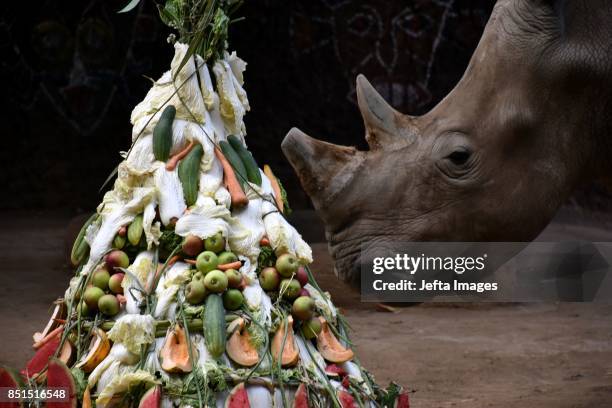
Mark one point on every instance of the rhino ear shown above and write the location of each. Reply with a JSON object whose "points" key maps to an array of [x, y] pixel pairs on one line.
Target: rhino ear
{"points": [[382, 122], [323, 168]]}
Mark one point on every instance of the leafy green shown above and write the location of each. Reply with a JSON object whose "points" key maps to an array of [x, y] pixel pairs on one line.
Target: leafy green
{"points": [[80, 381], [203, 24], [287, 209], [169, 240], [266, 258]]}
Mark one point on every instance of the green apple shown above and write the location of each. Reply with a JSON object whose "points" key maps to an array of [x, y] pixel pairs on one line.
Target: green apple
{"points": [[311, 328], [226, 257], [82, 309], [192, 245], [216, 243], [234, 278], [117, 259], [290, 288], [198, 276], [269, 278], [207, 261], [287, 265], [100, 279], [215, 281], [195, 292], [114, 283], [109, 305], [233, 299], [91, 296], [303, 308]]}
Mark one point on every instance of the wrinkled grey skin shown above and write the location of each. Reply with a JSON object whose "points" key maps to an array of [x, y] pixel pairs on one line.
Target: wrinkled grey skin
{"points": [[494, 160]]}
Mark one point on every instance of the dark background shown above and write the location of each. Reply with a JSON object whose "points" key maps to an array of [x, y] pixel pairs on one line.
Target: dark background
{"points": [[72, 71]]}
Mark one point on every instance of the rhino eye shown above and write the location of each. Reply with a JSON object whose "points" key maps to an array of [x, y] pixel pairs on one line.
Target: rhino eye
{"points": [[459, 157]]}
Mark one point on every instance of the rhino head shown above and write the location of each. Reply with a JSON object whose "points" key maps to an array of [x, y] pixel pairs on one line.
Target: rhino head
{"points": [[493, 161]]}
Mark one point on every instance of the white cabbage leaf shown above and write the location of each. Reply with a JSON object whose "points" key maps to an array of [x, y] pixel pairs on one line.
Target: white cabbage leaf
{"points": [[119, 215], [133, 331], [164, 91], [324, 303], [122, 383]]}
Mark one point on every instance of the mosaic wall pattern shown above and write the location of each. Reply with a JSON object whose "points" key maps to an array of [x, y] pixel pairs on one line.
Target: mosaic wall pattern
{"points": [[73, 70]]}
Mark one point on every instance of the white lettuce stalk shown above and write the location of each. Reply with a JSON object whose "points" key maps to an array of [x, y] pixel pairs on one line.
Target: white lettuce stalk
{"points": [[168, 287], [152, 229], [204, 220], [134, 282], [233, 101], [259, 396], [119, 214], [122, 383], [169, 194], [283, 237], [118, 353]]}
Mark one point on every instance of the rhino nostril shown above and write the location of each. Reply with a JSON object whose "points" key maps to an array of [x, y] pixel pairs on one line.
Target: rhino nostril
{"points": [[459, 157]]}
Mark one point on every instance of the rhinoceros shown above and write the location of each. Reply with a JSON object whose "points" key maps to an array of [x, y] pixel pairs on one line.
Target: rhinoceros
{"points": [[527, 123]]}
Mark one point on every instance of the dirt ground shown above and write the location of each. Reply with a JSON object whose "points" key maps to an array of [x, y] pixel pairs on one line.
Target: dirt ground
{"points": [[498, 355]]}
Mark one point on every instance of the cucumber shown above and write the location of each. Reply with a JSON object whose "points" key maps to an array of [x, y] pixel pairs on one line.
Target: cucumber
{"points": [[214, 325], [233, 158], [118, 242], [162, 134], [80, 248], [189, 174], [135, 229], [252, 170]]}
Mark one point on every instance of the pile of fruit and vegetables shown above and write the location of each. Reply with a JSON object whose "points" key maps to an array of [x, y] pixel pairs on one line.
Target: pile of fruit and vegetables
{"points": [[191, 289]]}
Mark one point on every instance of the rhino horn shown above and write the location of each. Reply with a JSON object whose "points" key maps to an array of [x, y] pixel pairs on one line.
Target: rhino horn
{"points": [[323, 168], [385, 127]]}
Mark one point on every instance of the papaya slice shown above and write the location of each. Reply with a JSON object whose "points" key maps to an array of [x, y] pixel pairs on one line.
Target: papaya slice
{"points": [[174, 354], [99, 347], [289, 355], [329, 346], [239, 347], [59, 313]]}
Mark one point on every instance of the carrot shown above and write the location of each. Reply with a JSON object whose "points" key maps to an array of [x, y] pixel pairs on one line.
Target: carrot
{"points": [[52, 334], [231, 265], [278, 197], [86, 398], [190, 261], [264, 241], [239, 199], [173, 161]]}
